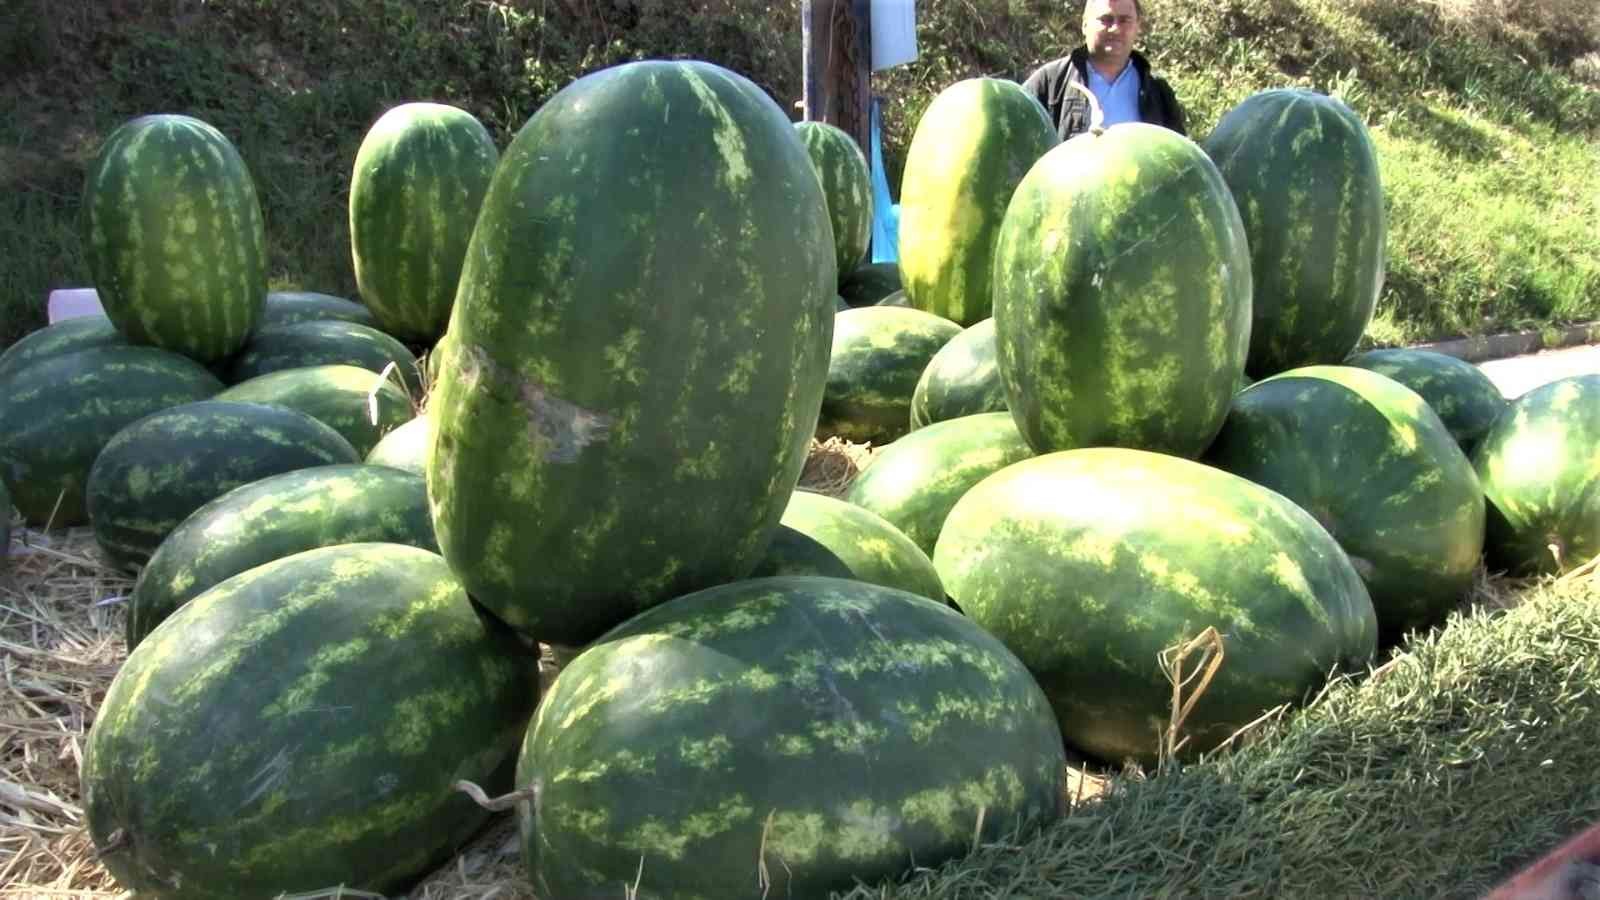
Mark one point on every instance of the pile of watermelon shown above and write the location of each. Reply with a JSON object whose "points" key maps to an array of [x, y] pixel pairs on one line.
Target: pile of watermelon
{"points": [[1117, 416]]}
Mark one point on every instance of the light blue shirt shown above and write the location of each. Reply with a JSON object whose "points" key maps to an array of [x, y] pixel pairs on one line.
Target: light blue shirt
{"points": [[1119, 98]]}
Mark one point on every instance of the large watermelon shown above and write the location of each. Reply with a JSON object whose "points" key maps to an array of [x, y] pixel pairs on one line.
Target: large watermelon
{"points": [[300, 727], [320, 342], [1122, 295], [638, 349], [914, 482], [288, 307], [1090, 563], [874, 731], [971, 148], [272, 518], [1304, 174], [962, 379], [58, 413], [406, 447], [1373, 463], [1539, 465], [174, 238], [152, 474], [65, 336], [877, 356], [1465, 398], [358, 403], [842, 169], [871, 547], [419, 179]]}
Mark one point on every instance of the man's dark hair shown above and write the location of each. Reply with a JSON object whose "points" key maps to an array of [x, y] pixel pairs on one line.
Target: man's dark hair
{"points": [[1138, 8]]}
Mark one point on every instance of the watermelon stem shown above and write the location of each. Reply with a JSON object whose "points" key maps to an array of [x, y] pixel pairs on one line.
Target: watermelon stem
{"points": [[1097, 115], [497, 804]]}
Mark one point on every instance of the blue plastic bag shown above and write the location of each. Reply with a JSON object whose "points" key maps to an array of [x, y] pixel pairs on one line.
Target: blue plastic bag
{"points": [[885, 212]]}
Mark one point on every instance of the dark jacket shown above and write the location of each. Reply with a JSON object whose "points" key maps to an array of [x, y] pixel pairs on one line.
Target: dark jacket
{"points": [[1069, 109]]}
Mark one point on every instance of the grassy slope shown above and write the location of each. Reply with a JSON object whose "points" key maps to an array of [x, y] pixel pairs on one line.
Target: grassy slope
{"points": [[1492, 167]]}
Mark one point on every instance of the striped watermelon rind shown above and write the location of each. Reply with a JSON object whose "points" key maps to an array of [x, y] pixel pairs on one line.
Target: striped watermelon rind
{"points": [[1304, 174], [971, 148], [1122, 295], [360, 404], [273, 348], [61, 337], [1536, 466], [288, 307], [1465, 398], [1089, 564], [158, 470], [914, 482], [60, 412], [300, 727], [878, 354], [1373, 463], [962, 379], [272, 518], [847, 185], [871, 547], [877, 730], [597, 457], [419, 179], [174, 238]]}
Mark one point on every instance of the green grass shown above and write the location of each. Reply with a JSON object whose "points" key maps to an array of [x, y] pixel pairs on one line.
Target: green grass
{"points": [[1491, 165], [1469, 757]]}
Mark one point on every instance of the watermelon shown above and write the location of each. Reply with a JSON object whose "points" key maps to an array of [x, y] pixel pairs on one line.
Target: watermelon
{"points": [[875, 731], [971, 148], [914, 482], [419, 179], [638, 350], [273, 348], [358, 403], [793, 552], [1121, 295], [174, 238], [872, 548], [1465, 398], [58, 413], [962, 379], [152, 474], [1538, 466], [878, 354], [61, 337], [300, 727], [6, 513], [847, 186], [1371, 461], [868, 283], [288, 307], [1304, 174], [406, 447], [276, 517], [1088, 564]]}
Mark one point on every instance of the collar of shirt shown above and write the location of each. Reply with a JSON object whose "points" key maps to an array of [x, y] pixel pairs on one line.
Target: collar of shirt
{"points": [[1119, 98]]}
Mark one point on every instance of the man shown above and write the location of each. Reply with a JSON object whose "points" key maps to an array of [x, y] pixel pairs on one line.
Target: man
{"points": [[1107, 65]]}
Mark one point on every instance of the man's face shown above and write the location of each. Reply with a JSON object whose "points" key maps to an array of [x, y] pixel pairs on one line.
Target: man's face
{"points": [[1110, 28]]}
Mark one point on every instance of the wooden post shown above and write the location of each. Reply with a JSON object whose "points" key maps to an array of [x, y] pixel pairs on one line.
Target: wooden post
{"points": [[837, 41]]}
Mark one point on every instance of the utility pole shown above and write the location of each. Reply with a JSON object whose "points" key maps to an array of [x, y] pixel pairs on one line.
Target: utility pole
{"points": [[837, 40]]}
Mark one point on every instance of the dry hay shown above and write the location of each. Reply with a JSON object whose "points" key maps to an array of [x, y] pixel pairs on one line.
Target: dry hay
{"points": [[60, 644], [832, 465]]}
